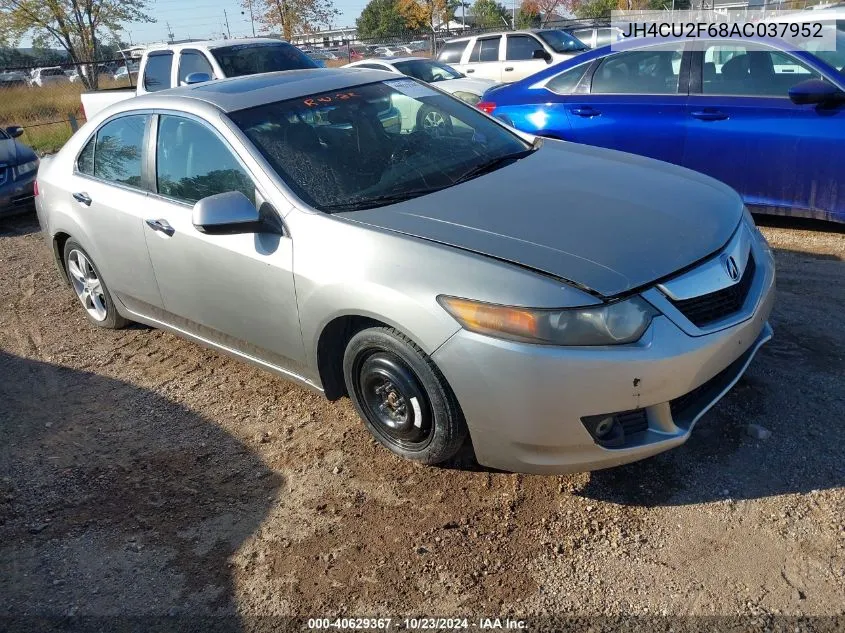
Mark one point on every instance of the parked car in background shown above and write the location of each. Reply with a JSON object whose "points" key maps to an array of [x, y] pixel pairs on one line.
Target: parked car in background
{"points": [[13, 79], [18, 167], [756, 115], [510, 56], [596, 36], [389, 51], [172, 65], [432, 72], [123, 73], [568, 307], [45, 76]]}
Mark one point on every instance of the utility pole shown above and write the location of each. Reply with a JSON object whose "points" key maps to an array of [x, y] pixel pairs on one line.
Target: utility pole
{"points": [[513, 19], [226, 17], [251, 17], [169, 33]]}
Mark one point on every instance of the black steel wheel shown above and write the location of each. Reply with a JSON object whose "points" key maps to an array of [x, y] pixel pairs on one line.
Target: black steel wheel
{"points": [[402, 397]]}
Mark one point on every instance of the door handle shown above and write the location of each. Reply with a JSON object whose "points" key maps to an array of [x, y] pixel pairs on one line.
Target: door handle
{"points": [[470, 71], [84, 198], [709, 115], [161, 226], [508, 69], [585, 111]]}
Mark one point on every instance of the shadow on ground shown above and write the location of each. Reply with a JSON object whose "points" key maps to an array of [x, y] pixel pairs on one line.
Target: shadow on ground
{"points": [[117, 501]]}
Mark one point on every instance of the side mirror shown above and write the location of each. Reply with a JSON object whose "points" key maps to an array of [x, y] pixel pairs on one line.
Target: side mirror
{"points": [[541, 54], [196, 78], [815, 91], [226, 214], [14, 131]]}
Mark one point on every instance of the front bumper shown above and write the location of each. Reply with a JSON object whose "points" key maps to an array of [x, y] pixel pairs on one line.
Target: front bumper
{"points": [[524, 404], [17, 196]]}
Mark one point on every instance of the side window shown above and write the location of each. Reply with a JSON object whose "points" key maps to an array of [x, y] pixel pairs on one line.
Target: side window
{"points": [[193, 62], [486, 50], [118, 150], [605, 37], [520, 47], [85, 160], [452, 52], [566, 81], [586, 36], [157, 72], [639, 72], [192, 162], [752, 71]]}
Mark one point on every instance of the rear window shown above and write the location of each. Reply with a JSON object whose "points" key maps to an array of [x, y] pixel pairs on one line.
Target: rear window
{"points": [[452, 52], [157, 72], [252, 59], [486, 50]]}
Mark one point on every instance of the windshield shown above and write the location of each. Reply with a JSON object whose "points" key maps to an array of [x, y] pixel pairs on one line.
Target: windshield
{"points": [[376, 144], [426, 70], [562, 42], [251, 59]]}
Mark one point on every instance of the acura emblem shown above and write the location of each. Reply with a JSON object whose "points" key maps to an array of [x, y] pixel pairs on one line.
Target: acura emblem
{"points": [[732, 268]]}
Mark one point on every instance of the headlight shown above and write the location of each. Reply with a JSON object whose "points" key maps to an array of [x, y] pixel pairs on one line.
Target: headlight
{"points": [[609, 324], [25, 168], [467, 97]]}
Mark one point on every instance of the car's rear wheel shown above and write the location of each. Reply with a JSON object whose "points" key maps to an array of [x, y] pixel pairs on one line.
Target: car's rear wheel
{"points": [[402, 397], [90, 288]]}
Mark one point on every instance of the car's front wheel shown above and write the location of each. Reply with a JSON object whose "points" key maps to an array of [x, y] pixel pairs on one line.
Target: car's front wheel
{"points": [[90, 288], [402, 397]]}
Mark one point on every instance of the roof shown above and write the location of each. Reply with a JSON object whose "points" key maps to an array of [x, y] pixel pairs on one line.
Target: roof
{"points": [[214, 43], [390, 60], [495, 33], [239, 93]]}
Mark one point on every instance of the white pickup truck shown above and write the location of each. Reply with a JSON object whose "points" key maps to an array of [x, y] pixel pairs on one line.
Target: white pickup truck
{"points": [[171, 65]]}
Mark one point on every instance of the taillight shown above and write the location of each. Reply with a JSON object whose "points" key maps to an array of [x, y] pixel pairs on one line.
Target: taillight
{"points": [[486, 106], [35, 188]]}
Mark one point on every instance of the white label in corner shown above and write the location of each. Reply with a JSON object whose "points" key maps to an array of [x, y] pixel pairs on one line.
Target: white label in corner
{"points": [[411, 88]]}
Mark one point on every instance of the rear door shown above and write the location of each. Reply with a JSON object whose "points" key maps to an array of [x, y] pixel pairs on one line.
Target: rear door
{"points": [[483, 60], [519, 57], [156, 72], [108, 191], [636, 103], [743, 129]]}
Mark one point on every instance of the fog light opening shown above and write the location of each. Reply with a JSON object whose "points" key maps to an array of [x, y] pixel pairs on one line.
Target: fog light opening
{"points": [[606, 430]]}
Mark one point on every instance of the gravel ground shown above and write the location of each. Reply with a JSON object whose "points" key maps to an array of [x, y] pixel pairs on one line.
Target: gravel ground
{"points": [[142, 475]]}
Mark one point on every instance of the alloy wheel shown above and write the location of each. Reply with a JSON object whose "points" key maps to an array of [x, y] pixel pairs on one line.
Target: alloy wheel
{"points": [[87, 285]]}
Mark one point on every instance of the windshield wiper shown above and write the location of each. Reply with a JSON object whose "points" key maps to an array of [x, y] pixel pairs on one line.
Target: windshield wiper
{"points": [[378, 201], [493, 165]]}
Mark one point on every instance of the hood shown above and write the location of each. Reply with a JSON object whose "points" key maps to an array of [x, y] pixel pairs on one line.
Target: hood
{"points": [[465, 84], [602, 219]]}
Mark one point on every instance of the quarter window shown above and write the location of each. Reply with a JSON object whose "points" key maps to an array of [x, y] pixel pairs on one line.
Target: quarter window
{"points": [[486, 50], [114, 154], [157, 72], [566, 81], [193, 62], [639, 72], [520, 47], [452, 52], [192, 162]]}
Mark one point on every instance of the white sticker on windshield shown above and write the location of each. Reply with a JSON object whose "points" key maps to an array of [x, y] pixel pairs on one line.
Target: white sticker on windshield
{"points": [[411, 88]]}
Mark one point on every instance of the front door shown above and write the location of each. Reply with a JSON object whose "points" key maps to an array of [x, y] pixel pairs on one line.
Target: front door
{"points": [[743, 130], [236, 291], [108, 194], [636, 104]]}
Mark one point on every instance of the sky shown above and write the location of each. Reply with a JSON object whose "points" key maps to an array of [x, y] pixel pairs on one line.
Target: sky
{"points": [[205, 19]]}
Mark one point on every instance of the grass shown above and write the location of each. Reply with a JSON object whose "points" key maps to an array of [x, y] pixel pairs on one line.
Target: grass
{"points": [[45, 112]]}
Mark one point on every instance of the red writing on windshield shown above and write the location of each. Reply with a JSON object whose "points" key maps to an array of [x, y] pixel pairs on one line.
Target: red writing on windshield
{"points": [[313, 102]]}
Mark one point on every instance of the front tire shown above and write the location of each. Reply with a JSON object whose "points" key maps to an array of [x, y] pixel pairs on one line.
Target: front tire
{"points": [[402, 397], [433, 121], [90, 288]]}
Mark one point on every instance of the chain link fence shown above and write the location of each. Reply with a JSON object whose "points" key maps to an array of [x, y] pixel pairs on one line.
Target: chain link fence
{"points": [[45, 100]]}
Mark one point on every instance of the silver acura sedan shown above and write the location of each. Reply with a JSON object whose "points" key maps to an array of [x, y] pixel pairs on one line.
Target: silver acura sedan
{"points": [[567, 307]]}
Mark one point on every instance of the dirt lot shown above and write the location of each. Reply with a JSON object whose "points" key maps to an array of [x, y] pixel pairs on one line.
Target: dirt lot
{"points": [[143, 475]]}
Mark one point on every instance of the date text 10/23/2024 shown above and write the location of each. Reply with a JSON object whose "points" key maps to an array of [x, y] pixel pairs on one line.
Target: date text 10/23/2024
{"points": [[416, 624]]}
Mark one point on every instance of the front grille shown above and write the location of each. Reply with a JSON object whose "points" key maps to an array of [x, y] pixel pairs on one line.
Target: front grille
{"points": [[633, 421], [717, 305]]}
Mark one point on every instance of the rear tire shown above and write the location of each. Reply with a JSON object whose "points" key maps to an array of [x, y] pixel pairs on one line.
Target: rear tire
{"points": [[402, 397], [90, 288]]}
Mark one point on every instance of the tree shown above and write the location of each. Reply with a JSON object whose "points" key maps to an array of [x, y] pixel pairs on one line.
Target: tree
{"points": [[427, 14], [292, 16], [75, 25], [528, 16], [380, 19], [596, 9], [489, 14]]}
